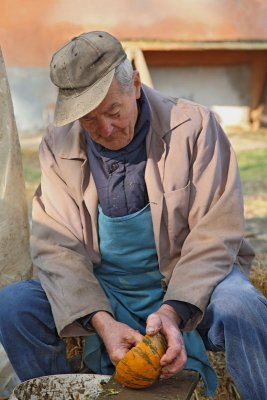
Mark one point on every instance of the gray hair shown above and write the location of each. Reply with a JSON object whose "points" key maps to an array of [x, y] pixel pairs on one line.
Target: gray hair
{"points": [[124, 75]]}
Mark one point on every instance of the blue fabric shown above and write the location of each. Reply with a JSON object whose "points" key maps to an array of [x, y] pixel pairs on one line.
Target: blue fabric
{"points": [[28, 333], [236, 322], [119, 174], [130, 277]]}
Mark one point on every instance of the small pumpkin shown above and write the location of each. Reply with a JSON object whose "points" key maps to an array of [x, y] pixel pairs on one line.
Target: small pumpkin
{"points": [[140, 367]]}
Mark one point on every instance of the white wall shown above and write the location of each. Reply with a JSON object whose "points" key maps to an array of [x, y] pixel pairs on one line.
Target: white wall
{"points": [[224, 89]]}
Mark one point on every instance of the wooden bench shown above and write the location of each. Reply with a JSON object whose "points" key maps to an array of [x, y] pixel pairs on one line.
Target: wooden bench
{"points": [[179, 387]]}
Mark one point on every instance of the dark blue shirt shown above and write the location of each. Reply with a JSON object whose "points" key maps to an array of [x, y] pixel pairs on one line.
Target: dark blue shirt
{"points": [[119, 174]]}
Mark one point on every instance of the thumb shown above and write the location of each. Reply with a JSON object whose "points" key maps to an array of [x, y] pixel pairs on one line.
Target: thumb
{"points": [[117, 355], [135, 338], [153, 324]]}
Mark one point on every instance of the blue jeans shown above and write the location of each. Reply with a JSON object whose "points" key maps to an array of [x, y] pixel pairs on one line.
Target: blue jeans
{"points": [[28, 333], [235, 322]]}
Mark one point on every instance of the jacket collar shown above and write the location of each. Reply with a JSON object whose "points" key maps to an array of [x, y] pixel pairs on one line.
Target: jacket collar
{"points": [[161, 107], [70, 141]]}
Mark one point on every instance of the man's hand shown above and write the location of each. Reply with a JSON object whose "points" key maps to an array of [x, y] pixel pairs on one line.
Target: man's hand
{"points": [[166, 321], [117, 337]]}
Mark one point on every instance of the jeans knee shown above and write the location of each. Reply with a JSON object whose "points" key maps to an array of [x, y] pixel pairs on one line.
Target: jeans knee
{"points": [[241, 315], [235, 296], [16, 300], [238, 304]]}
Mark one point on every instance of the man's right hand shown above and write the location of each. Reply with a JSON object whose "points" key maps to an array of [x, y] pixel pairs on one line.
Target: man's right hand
{"points": [[117, 336]]}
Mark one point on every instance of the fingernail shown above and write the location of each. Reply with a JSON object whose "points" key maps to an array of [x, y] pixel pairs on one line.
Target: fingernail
{"points": [[150, 330]]}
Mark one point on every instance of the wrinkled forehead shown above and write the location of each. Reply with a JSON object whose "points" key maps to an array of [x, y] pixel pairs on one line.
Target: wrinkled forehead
{"points": [[108, 109], [114, 98]]}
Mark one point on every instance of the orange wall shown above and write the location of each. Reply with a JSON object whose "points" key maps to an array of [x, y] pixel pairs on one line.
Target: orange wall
{"points": [[31, 30]]}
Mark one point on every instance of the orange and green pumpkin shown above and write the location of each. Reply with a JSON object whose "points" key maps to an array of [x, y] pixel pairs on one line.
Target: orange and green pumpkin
{"points": [[140, 367]]}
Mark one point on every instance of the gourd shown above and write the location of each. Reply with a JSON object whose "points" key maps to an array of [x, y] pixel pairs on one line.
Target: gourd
{"points": [[140, 367]]}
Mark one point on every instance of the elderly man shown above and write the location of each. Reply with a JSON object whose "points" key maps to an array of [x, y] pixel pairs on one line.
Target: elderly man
{"points": [[137, 227]]}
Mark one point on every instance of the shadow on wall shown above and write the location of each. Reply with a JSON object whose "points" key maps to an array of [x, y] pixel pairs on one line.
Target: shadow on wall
{"points": [[226, 90]]}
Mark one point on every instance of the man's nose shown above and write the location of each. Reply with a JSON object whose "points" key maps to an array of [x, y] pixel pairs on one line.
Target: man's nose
{"points": [[105, 127]]}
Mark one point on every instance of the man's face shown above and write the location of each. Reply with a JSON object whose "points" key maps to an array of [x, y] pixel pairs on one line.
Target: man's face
{"points": [[112, 123]]}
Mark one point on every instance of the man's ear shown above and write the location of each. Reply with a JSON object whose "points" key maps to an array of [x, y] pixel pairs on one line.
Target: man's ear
{"points": [[137, 84]]}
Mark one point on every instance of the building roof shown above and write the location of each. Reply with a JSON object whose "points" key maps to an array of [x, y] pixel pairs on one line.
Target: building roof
{"points": [[30, 31]]}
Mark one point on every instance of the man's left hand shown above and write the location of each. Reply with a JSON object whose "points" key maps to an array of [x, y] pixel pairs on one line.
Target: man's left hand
{"points": [[166, 321]]}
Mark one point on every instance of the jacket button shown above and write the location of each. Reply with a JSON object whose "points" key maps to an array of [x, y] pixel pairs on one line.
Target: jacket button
{"points": [[113, 167]]}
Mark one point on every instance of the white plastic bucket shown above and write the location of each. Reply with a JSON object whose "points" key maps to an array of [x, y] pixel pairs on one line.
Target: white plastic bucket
{"points": [[61, 387]]}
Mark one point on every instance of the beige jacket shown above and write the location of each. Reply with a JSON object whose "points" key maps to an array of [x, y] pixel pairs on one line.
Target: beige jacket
{"points": [[196, 204]]}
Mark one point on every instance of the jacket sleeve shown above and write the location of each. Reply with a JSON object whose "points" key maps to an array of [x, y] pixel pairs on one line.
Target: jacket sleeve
{"points": [[58, 251], [215, 220]]}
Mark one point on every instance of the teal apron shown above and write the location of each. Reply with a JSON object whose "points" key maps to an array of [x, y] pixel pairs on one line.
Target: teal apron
{"points": [[130, 277]]}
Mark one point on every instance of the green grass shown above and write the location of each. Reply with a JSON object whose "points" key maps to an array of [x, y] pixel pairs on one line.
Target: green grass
{"points": [[253, 171], [31, 166], [253, 164], [32, 173]]}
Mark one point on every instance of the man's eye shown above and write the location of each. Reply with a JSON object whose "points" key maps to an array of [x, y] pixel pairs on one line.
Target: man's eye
{"points": [[88, 119], [115, 115]]}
